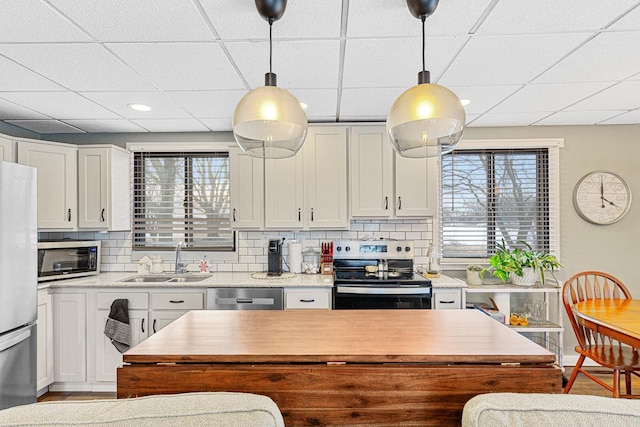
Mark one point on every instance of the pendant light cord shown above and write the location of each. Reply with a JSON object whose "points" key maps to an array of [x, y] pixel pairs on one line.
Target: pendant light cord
{"points": [[424, 18], [270, 43]]}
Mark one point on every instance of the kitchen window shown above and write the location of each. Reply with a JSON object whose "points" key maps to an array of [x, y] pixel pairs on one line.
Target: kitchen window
{"points": [[181, 197], [493, 194]]}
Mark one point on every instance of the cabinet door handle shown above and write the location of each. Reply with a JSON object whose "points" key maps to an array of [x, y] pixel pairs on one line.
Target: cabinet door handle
{"points": [[299, 215], [154, 325], [311, 214], [69, 215], [234, 214], [176, 301], [399, 202], [386, 203], [307, 300], [142, 325], [102, 216]]}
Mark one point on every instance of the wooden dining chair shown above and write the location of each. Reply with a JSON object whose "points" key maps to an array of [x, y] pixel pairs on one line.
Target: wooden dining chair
{"points": [[610, 353]]}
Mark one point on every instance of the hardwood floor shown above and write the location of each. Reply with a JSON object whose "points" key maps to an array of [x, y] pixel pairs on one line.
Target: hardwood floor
{"points": [[583, 385]]}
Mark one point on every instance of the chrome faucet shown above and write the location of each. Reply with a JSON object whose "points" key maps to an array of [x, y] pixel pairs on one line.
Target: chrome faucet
{"points": [[181, 267]]}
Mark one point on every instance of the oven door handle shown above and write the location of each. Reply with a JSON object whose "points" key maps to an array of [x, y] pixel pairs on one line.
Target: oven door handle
{"points": [[367, 290]]}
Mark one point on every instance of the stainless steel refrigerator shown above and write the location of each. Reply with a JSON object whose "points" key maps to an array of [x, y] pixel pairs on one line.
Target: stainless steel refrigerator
{"points": [[18, 284]]}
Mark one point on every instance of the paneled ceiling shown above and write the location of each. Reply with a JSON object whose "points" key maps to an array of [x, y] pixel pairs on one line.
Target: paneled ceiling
{"points": [[70, 66]]}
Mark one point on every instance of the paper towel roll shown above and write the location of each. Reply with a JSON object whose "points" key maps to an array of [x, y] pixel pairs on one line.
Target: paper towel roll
{"points": [[295, 257]]}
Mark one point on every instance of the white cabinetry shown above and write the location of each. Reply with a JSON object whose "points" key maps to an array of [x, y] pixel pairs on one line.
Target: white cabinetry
{"points": [[103, 188], [7, 149], [386, 185], [57, 182], [168, 305], [45, 340], [69, 337], [247, 190], [307, 298], [308, 190], [446, 298]]}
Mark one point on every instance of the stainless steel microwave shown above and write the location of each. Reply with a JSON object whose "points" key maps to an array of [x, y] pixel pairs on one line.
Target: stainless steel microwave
{"points": [[66, 259]]}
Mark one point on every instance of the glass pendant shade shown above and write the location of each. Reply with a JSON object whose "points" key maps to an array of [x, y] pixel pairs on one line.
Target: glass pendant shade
{"points": [[427, 120], [270, 123]]}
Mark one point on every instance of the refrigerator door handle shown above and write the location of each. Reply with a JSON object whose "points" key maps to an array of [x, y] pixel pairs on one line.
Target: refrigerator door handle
{"points": [[15, 340]]}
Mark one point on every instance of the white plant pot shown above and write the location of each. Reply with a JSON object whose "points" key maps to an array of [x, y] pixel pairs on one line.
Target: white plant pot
{"points": [[473, 278], [529, 277]]}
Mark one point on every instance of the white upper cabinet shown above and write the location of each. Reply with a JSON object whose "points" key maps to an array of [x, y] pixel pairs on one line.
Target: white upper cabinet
{"points": [[7, 149], [57, 182], [386, 185], [104, 201], [309, 190], [247, 190], [325, 178]]}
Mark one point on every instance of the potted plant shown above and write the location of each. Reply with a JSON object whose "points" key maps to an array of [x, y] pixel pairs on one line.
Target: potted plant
{"points": [[474, 274], [521, 266]]}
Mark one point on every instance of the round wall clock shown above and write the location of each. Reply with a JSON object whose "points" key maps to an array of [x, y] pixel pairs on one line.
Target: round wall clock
{"points": [[601, 197]]}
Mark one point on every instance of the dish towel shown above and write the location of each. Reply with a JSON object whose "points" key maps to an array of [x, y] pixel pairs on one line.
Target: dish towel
{"points": [[117, 327]]}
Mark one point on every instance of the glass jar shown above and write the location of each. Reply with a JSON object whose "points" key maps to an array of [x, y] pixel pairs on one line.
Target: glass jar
{"points": [[310, 261]]}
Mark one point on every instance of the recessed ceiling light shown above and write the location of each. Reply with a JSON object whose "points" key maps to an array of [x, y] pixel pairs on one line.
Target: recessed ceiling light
{"points": [[303, 105], [465, 102], [139, 107]]}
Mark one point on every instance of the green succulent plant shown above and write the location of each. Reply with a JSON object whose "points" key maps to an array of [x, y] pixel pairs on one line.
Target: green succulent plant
{"points": [[506, 261]]}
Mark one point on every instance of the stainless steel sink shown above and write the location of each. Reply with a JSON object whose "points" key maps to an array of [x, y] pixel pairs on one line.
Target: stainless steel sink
{"points": [[146, 279], [187, 279]]}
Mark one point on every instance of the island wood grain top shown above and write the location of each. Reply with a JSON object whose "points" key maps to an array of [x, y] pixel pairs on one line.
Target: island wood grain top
{"points": [[321, 336]]}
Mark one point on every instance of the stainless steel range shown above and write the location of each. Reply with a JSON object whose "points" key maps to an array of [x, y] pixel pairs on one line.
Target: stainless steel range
{"points": [[377, 274]]}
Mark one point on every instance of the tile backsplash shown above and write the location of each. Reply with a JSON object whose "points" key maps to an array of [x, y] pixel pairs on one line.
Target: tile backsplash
{"points": [[117, 254]]}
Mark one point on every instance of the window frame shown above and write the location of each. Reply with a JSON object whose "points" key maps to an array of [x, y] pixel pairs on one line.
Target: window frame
{"points": [[553, 145]]}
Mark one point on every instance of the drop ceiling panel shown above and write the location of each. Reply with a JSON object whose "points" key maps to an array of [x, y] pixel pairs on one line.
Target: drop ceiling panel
{"points": [[61, 105], [548, 16], [621, 96], [207, 104], [321, 103], [218, 124], [366, 103], [137, 20], [384, 18], [105, 126], [298, 64], [45, 126], [604, 58], [161, 106], [15, 77], [79, 66], [9, 110], [482, 98], [395, 62], [173, 125], [302, 19], [35, 21], [506, 119], [578, 117], [548, 97], [632, 117], [629, 22], [507, 60], [180, 66]]}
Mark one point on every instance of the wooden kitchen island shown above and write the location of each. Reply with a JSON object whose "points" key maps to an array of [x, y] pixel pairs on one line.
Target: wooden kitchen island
{"points": [[342, 367]]}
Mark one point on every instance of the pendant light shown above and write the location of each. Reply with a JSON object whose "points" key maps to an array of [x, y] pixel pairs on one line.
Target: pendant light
{"points": [[269, 122], [427, 120]]}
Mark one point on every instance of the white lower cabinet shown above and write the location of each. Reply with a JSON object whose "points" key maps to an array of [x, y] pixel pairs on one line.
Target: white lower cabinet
{"points": [[7, 150], [446, 298], [45, 340], [70, 337], [307, 298]]}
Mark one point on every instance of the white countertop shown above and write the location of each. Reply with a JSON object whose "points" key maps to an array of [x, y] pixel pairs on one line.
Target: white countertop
{"points": [[213, 280]]}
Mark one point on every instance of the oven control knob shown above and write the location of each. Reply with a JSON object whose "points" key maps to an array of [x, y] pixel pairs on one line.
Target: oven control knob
{"points": [[347, 248], [399, 248], [407, 249], [339, 248]]}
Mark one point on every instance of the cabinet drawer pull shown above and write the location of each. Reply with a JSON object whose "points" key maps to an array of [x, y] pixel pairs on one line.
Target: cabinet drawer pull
{"points": [[142, 323], [176, 301], [307, 300], [102, 216], [69, 215], [154, 325], [446, 302]]}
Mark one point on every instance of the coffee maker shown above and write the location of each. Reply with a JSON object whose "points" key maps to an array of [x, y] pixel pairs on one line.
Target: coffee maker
{"points": [[274, 258]]}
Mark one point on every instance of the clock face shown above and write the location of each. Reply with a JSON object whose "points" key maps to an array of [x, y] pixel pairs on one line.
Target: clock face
{"points": [[602, 197]]}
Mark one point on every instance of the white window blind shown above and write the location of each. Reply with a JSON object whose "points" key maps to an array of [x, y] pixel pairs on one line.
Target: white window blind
{"points": [[181, 197], [496, 194]]}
